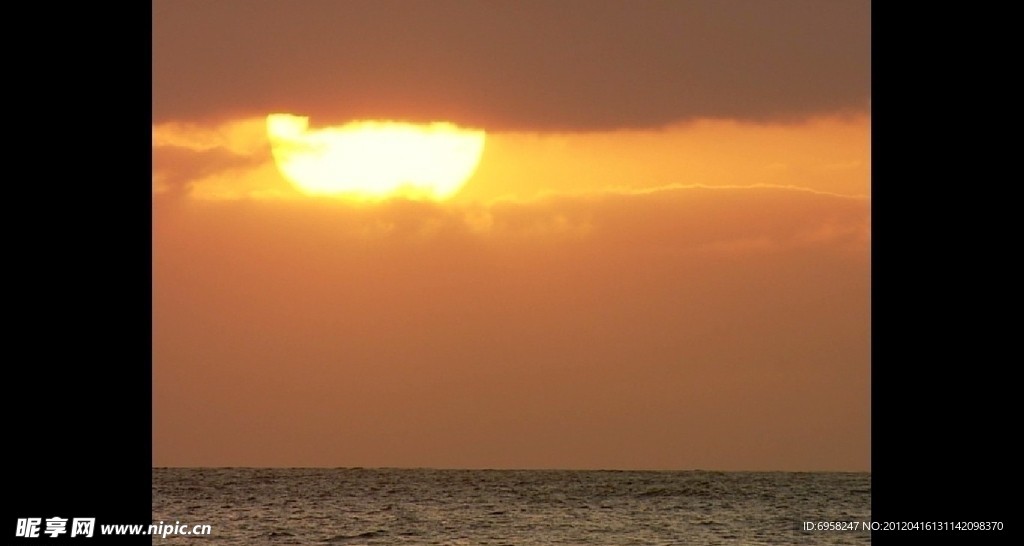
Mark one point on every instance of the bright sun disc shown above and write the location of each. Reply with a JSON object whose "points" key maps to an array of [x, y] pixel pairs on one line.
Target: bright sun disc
{"points": [[375, 159]]}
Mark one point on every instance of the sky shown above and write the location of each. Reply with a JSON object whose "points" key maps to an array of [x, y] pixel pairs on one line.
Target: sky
{"points": [[660, 261]]}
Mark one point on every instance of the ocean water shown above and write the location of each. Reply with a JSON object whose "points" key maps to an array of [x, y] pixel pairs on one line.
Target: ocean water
{"points": [[262, 506]]}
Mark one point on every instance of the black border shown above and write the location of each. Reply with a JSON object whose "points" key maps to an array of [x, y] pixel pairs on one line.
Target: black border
{"points": [[79, 422], [941, 398]]}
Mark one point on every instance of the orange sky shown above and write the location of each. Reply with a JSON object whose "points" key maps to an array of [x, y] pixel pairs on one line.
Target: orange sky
{"points": [[686, 288]]}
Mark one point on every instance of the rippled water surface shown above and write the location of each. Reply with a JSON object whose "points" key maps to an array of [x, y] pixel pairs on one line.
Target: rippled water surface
{"points": [[254, 506]]}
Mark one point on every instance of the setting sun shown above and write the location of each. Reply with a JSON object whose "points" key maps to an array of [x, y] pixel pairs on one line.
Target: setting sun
{"points": [[373, 160]]}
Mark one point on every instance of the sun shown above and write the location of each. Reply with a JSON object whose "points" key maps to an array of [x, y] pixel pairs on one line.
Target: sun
{"points": [[374, 160]]}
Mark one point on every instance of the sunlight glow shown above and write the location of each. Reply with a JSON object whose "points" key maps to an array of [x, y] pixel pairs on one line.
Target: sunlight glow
{"points": [[373, 160]]}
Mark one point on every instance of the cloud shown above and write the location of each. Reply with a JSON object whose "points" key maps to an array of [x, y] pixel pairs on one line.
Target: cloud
{"points": [[228, 160], [177, 169], [538, 333], [678, 218], [534, 65]]}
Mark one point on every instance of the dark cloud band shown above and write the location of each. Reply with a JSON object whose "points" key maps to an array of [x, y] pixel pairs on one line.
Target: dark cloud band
{"points": [[567, 65]]}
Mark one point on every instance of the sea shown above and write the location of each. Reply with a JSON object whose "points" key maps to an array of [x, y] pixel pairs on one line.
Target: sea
{"points": [[364, 506]]}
